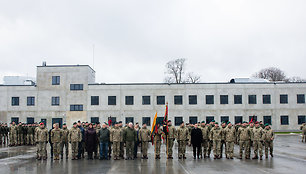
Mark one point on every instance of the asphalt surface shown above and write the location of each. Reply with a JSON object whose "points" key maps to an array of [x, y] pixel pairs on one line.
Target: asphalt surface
{"points": [[289, 157]]}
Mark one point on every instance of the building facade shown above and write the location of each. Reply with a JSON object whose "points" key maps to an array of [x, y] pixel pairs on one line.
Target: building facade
{"points": [[68, 93]]}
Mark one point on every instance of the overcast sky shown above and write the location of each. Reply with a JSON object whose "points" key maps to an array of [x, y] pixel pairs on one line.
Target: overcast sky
{"points": [[134, 39]]}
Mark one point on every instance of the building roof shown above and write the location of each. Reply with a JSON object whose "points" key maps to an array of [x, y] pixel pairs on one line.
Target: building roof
{"points": [[67, 66]]}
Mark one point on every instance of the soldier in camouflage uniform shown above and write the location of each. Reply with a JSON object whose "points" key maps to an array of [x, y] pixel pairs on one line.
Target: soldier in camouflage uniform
{"points": [[115, 139], [19, 134], [183, 137], [41, 138], [205, 144], [171, 138], [157, 140], [303, 129], [216, 135], [230, 137], [74, 138], [121, 141], [244, 135], [257, 139], [223, 126], [268, 139], [210, 144], [30, 135], [56, 138], [144, 138], [13, 135], [64, 144]]}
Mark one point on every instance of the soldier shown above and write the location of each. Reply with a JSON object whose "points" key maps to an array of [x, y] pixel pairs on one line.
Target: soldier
{"points": [[157, 140], [303, 129], [129, 137], [171, 138], [230, 138], [64, 144], [196, 141], [205, 143], [30, 135], [268, 139], [13, 134], [216, 135], [115, 139], [74, 138], [182, 139], [104, 136], [1, 133], [210, 144], [144, 138], [50, 141], [257, 140], [121, 141], [42, 138], [6, 131], [136, 127], [25, 133], [56, 138], [19, 134], [251, 128], [223, 126], [81, 146], [244, 135]]}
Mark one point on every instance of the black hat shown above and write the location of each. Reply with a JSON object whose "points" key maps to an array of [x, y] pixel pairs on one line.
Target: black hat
{"points": [[116, 122], [64, 123], [98, 123], [169, 121], [203, 122], [74, 123], [120, 122], [79, 121]]}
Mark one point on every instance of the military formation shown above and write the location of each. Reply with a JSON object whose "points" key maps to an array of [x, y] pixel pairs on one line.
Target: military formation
{"points": [[103, 141]]}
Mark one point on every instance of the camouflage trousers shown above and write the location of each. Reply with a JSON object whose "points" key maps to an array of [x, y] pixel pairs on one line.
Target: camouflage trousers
{"points": [[129, 145], [121, 149], [20, 139], [229, 152], [64, 145], [257, 145], [205, 148], [268, 146], [144, 148], [157, 145], [222, 146], [210, 146], [217, 147], [244, 146], [13, 139], [181, 148], [30, 140], [116, 149], [74, 149], [170, 147], [56, 149], [42, 151], [1, 138]]}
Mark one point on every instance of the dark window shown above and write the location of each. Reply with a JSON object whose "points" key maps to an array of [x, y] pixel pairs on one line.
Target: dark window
{"points": [[94, 119], [266, 99], [30, 101], [146, 120], [76, 107], [57, 120], [209, 119], [178, 100], [160, 100], [94, 101], [300, 98], [193, 100], [55, 101], [267, 119], [283, 99], [75, 87], [160, 120], [252, 99], [284, 119], [223, 99], [146, 100], [224, 119], [237, 99], [178, 121], [193, 119], [129, 120], [111, 100], [129, 100], [209, 99], [43, 120], [15, 119], [301, 119], [15, 101], [55, 80], [254, 118], [238, 119], [30, 120]]}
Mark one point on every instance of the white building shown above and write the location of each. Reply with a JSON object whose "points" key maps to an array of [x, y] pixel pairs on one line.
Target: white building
{"points": [[68, 93]]}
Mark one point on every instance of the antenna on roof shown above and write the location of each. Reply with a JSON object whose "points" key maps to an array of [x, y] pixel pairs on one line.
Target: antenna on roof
{"points": [[44, 63]]}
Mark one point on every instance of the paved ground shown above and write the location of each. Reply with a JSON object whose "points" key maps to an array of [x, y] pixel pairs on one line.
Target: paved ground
{"points": [[289, 157]]}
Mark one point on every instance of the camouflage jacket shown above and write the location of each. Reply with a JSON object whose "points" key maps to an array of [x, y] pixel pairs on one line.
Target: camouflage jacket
{"points": [[42, 135], [75, 135], [144, 135]]}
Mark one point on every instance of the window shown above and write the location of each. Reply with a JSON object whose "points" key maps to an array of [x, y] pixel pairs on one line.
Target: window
{"points": [[209, 99], [55, 101], [178, 100], [267, 119], [15, 101], [94, 119], [30, 101], [160, 120], [237, 99], [178, 121], [223, 99], [252, 99], [129, 100], [30, 120], [76, 107], [75, 87], [146, 120], [300, 98], [284, 119], [55, 80], [238, 119], [266, 99], [94, 101], [301, 119], [193, 119], [15, 119], [111, 100], [129, 120], [224, 119], [253, 117], [160, 100], [283, 99], [146, 100], [193, 100], [209, 119]]}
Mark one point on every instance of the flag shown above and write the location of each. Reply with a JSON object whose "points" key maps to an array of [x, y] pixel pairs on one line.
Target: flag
{"points": [[110, 121], [165, 121], [252, 119], [154, 127]]}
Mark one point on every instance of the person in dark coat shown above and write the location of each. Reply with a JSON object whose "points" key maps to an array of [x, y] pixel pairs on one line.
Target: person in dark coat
{"points": [[196, 141], [90, 141]]}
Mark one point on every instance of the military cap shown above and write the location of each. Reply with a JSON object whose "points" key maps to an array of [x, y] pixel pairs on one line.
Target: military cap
{"points": [[98, 123], [74, 123], [244, 122], [116, 122], [41, 123], [223, 122], [213, 121], [169, 121], [182, 122], [267, 124], [120, 122], [64, 123], [216, 123], [79, 121], [203, 122], [256, 122], [228, 122]]}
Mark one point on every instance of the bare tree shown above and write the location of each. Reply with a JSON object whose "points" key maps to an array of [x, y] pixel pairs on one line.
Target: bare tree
{"points": [[295, 79], [175, 70], [271, 74], [193, 78]]}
